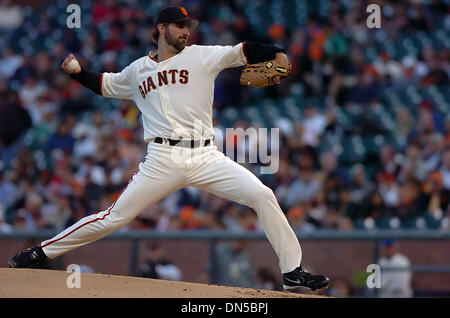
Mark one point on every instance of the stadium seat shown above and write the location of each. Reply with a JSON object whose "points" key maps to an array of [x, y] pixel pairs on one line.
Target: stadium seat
{"points": [[383, 223], [432, 222], [359, 224]]}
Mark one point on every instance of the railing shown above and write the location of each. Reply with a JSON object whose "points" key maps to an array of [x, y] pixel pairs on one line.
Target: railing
{"points": [[213, 236]]}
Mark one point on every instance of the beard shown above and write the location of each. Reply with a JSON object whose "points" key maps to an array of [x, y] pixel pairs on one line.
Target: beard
{"points": [[179, 43]]}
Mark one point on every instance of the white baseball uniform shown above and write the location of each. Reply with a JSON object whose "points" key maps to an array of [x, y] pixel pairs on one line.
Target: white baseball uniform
{"points": [[174, 97]]}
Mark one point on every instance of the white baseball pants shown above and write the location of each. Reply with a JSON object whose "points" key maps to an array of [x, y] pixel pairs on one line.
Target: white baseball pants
{"points": [[169, 168]]}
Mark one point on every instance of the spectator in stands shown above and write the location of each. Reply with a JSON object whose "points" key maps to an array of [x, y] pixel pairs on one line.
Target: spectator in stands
{"points": [[4, 226], [9, 63], [115, 41], [318, 210], [305, 188], [389, 189], [360, 185], [11, 15], [445, 168], [387, 160], [405, 122], [333, 178], [157, 266], [360, 189], [437, 74], [297, 218], [232, 265], [314, 125], [14, 122], [367, 88], [338, 220], [386, 66], [412, 202], [62, 139], [27, 70], [414, 166], [10, 193], [105, 12], [374, 207], [437, 195]]}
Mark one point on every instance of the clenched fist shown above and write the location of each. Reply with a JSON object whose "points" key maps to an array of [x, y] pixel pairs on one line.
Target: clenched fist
{"points": [[71, 65]]}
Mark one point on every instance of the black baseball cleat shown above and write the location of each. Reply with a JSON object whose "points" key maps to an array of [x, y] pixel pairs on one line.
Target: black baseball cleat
{"points": [[299, 277], [27, 257]]}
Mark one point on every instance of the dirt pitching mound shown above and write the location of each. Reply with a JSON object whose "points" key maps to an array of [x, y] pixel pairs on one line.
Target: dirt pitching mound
{"points": [[23, 283]]}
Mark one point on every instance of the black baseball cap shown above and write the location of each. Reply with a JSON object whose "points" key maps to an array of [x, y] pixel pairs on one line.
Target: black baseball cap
{"points": [[175, 15]]}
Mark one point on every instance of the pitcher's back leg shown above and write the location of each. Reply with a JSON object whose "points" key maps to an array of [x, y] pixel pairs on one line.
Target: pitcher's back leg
{"points": [[144, 189]]}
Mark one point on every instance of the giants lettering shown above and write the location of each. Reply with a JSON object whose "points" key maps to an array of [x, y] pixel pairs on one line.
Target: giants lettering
{"points": [[163, 79], [184, 76], [150, 83], [172, 73]]}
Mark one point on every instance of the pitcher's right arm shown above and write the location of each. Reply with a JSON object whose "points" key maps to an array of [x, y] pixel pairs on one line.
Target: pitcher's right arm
{"points": [[114, 85]]}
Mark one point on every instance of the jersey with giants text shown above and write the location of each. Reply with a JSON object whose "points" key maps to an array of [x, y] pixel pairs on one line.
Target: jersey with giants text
{"points": [[177, 93]]}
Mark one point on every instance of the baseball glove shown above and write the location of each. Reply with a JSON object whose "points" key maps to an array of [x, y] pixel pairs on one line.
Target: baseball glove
{"points": [[263, 74]]}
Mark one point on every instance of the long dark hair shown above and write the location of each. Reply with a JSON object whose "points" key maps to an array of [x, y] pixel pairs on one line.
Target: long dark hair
{"points": [[155, 33]]}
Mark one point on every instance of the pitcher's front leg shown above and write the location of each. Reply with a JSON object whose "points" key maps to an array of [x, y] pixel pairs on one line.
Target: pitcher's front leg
{"points": [[225, 178]]}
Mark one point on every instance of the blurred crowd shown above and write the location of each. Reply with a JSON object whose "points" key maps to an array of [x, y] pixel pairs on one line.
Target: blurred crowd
{"points": [[65, 155]]}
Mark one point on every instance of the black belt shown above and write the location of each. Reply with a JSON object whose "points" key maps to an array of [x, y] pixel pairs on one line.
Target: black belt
{"points": [[183, 143]]}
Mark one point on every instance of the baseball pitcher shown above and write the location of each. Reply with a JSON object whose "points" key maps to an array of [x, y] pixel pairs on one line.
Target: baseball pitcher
{"points": [[173, 87]]}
